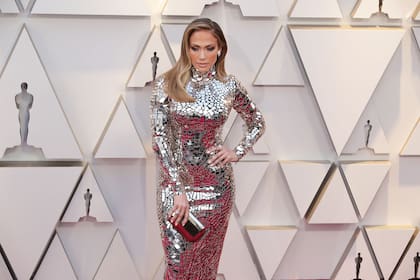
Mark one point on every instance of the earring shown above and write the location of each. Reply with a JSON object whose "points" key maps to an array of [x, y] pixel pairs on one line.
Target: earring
{"points": [[219, 53]]}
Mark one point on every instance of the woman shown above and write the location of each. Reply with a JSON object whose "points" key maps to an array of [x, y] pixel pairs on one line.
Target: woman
{"points": [[190, 104]]}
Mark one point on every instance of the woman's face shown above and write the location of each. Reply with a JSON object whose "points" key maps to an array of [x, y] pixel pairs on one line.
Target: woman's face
{"points": [[203, 50]]}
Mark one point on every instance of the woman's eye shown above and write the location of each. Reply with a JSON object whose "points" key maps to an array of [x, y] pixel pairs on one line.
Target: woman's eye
{"points": [[210, 49], [194, 49]]}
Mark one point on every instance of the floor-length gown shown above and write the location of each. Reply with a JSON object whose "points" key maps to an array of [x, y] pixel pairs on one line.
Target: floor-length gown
{"points": [[183, 132]]}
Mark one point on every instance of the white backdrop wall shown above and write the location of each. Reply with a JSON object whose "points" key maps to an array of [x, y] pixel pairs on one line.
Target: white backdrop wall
{"points": [[310, 196]]}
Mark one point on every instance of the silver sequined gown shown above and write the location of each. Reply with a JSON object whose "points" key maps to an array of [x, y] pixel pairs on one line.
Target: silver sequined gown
{"points": [[182, 134]]}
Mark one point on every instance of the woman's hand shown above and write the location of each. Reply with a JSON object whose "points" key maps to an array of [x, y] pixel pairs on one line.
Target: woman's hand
{"points": [[223, 155], [180, 211]]}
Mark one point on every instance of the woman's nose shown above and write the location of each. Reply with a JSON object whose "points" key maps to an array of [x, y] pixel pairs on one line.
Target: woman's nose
{"points": [[202, 54]]}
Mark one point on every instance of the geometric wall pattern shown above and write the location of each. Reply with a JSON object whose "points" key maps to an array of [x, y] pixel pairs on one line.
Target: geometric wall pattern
{"points": [[261, 147], [92, 7], [55, 264], [173, 34], [36, 208], [406, 267], [185, 7], [279, 67], [416, 15], [335, 61], [97, 207], [247, 185], [236, 248], [371, 132], [8, 33], [121, 139], [117, 263], [333, 205], [46, 114], [4, 272], [271, 244], [389, 244], [367, 266], [394, 8], [25, 3], [86, 245], [142, 73], [364, 180], [304, 188], [412, 146], [318, 9], [249, 9], [8, 6], [311, 243], [316, 72]]}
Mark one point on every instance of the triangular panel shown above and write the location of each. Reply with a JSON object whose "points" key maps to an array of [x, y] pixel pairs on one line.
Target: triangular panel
{"points": [[280, 67], [48, 127], [4, 272], [341, 88], [322, 247], [364, 179], [160, 272], [412, 146], [186, 7], [120, 139], [272, 203], [247, 185], [86, 244], [228, 124], [98, 207], [55, 264], [25, 3], [8, 34], [367, 266], [143, 72], [416, 14], [304, 179], [235, 248], [316, 9], [388, 245], [394, 8], [117, 263], [8, 6], [93, 7], [270, 244], [261, 147], [335, 206], [173, 34], [416, 31], [251, 8], [125, 186], [368, 133], [406, 269], [36, 196]]}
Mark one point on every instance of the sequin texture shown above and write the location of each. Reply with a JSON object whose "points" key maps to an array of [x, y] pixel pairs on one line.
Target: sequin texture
{"points": [[183, 132]]}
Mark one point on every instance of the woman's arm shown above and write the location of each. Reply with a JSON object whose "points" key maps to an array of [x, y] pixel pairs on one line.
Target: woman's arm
{"points": [[161, 137], [253, 118]]}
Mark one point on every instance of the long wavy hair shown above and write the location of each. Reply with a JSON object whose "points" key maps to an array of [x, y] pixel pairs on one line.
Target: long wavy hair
{"points": [[178, 76]]}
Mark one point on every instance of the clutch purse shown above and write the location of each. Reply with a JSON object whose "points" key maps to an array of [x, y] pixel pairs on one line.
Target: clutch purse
{"points": [[193, 230]]}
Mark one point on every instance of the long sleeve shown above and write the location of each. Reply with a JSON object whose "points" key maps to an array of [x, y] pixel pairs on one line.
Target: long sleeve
{"points": [[251, 115], [162, 135]]}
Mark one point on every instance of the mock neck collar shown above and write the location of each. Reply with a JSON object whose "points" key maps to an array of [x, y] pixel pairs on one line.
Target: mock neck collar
{"points": [[201, 78]]}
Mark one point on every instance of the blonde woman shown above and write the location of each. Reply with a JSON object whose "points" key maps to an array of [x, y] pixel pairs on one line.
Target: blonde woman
{"points": [[190, 104]]}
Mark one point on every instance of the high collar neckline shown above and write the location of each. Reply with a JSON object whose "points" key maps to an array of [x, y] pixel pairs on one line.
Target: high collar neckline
{"points": [[199, 77]]}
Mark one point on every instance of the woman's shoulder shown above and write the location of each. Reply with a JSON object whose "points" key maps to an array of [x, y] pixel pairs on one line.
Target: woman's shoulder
{"points": [[159, 94], [233, 82]]}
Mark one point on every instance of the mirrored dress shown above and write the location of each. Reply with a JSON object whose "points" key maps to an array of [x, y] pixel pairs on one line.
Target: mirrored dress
{"points": [[183, 132]]}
